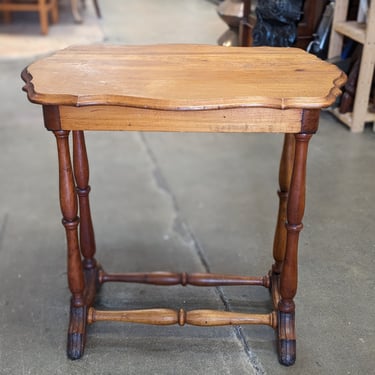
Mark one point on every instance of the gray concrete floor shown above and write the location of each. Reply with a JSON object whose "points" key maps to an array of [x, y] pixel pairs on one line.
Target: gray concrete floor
{"points": [[183, 202]]}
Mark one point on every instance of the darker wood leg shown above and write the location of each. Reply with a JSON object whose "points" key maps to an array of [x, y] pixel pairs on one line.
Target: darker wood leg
{"points": [[81, 174], [285, 174], [288, 276], [183, 278], [69, 209], [77, 332], [86, 230], [286, 338]]}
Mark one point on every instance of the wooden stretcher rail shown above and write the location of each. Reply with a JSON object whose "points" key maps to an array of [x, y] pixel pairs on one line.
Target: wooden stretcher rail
{"points": [[203, 318], [172, 278]]}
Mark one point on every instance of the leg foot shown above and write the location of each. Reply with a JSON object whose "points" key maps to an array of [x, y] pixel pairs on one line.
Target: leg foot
{"points": [[287, 352], [77, 332], [286, 339]]}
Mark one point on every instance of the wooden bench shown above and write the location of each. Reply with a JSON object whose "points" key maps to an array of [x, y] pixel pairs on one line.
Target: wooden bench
{"points": [[43, 7]]}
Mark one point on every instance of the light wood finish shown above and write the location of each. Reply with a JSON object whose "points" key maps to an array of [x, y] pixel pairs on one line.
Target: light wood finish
{"points": [[364, 34], [233, 120], [203, 318], [347, 118], [336, 39], [43, 7], [353, 30], [184, 77], [182, 88]]}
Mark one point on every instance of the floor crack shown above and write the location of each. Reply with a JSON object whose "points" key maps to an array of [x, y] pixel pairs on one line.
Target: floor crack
{"points": [[2, 229], [188, 233]]}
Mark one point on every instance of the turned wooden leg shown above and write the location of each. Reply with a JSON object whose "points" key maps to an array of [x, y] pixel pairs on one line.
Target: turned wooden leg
{"points": [[81, 174], [69, 209], [285, 174], [86, 230], [288, 276]]}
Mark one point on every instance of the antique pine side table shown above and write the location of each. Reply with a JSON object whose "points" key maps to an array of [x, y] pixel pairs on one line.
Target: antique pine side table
{"points": [[181, 88]]}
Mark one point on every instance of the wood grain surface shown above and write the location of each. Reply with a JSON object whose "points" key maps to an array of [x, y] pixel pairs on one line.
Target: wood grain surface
{"points": [[183, 77]]}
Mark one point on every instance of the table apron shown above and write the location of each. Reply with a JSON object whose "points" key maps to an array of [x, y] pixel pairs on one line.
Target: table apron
{"points": [[230, 120]]}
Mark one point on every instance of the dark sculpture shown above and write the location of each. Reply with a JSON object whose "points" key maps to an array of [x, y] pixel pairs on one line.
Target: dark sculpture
{"points": [[277, 22]]}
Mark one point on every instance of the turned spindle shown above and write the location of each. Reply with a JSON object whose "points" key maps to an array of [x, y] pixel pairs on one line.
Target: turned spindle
{"points": [[69, 209], [202, 318], [173, 278], [81, 174], [288, 277], [285, 174]]}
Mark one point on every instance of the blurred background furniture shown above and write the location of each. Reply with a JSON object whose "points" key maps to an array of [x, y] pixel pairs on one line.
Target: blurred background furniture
{"points": [[75, 9], [231, 12], [312, 11], [276, 22], [45, 8], [362, 32], [241, 19]]}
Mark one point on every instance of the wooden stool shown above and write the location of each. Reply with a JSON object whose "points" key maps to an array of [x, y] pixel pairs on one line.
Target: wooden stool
{"points": [[181, 88], [43, 7]]}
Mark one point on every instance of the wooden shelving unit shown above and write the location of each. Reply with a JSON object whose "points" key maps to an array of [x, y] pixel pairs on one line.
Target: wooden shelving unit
{"points": [[363, 33]]}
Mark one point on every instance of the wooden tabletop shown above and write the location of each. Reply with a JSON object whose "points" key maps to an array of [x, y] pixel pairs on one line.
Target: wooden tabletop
{"points": [[183, 77]]}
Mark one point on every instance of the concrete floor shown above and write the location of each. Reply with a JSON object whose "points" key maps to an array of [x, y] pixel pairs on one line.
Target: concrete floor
{"points": [[193, 203]]}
